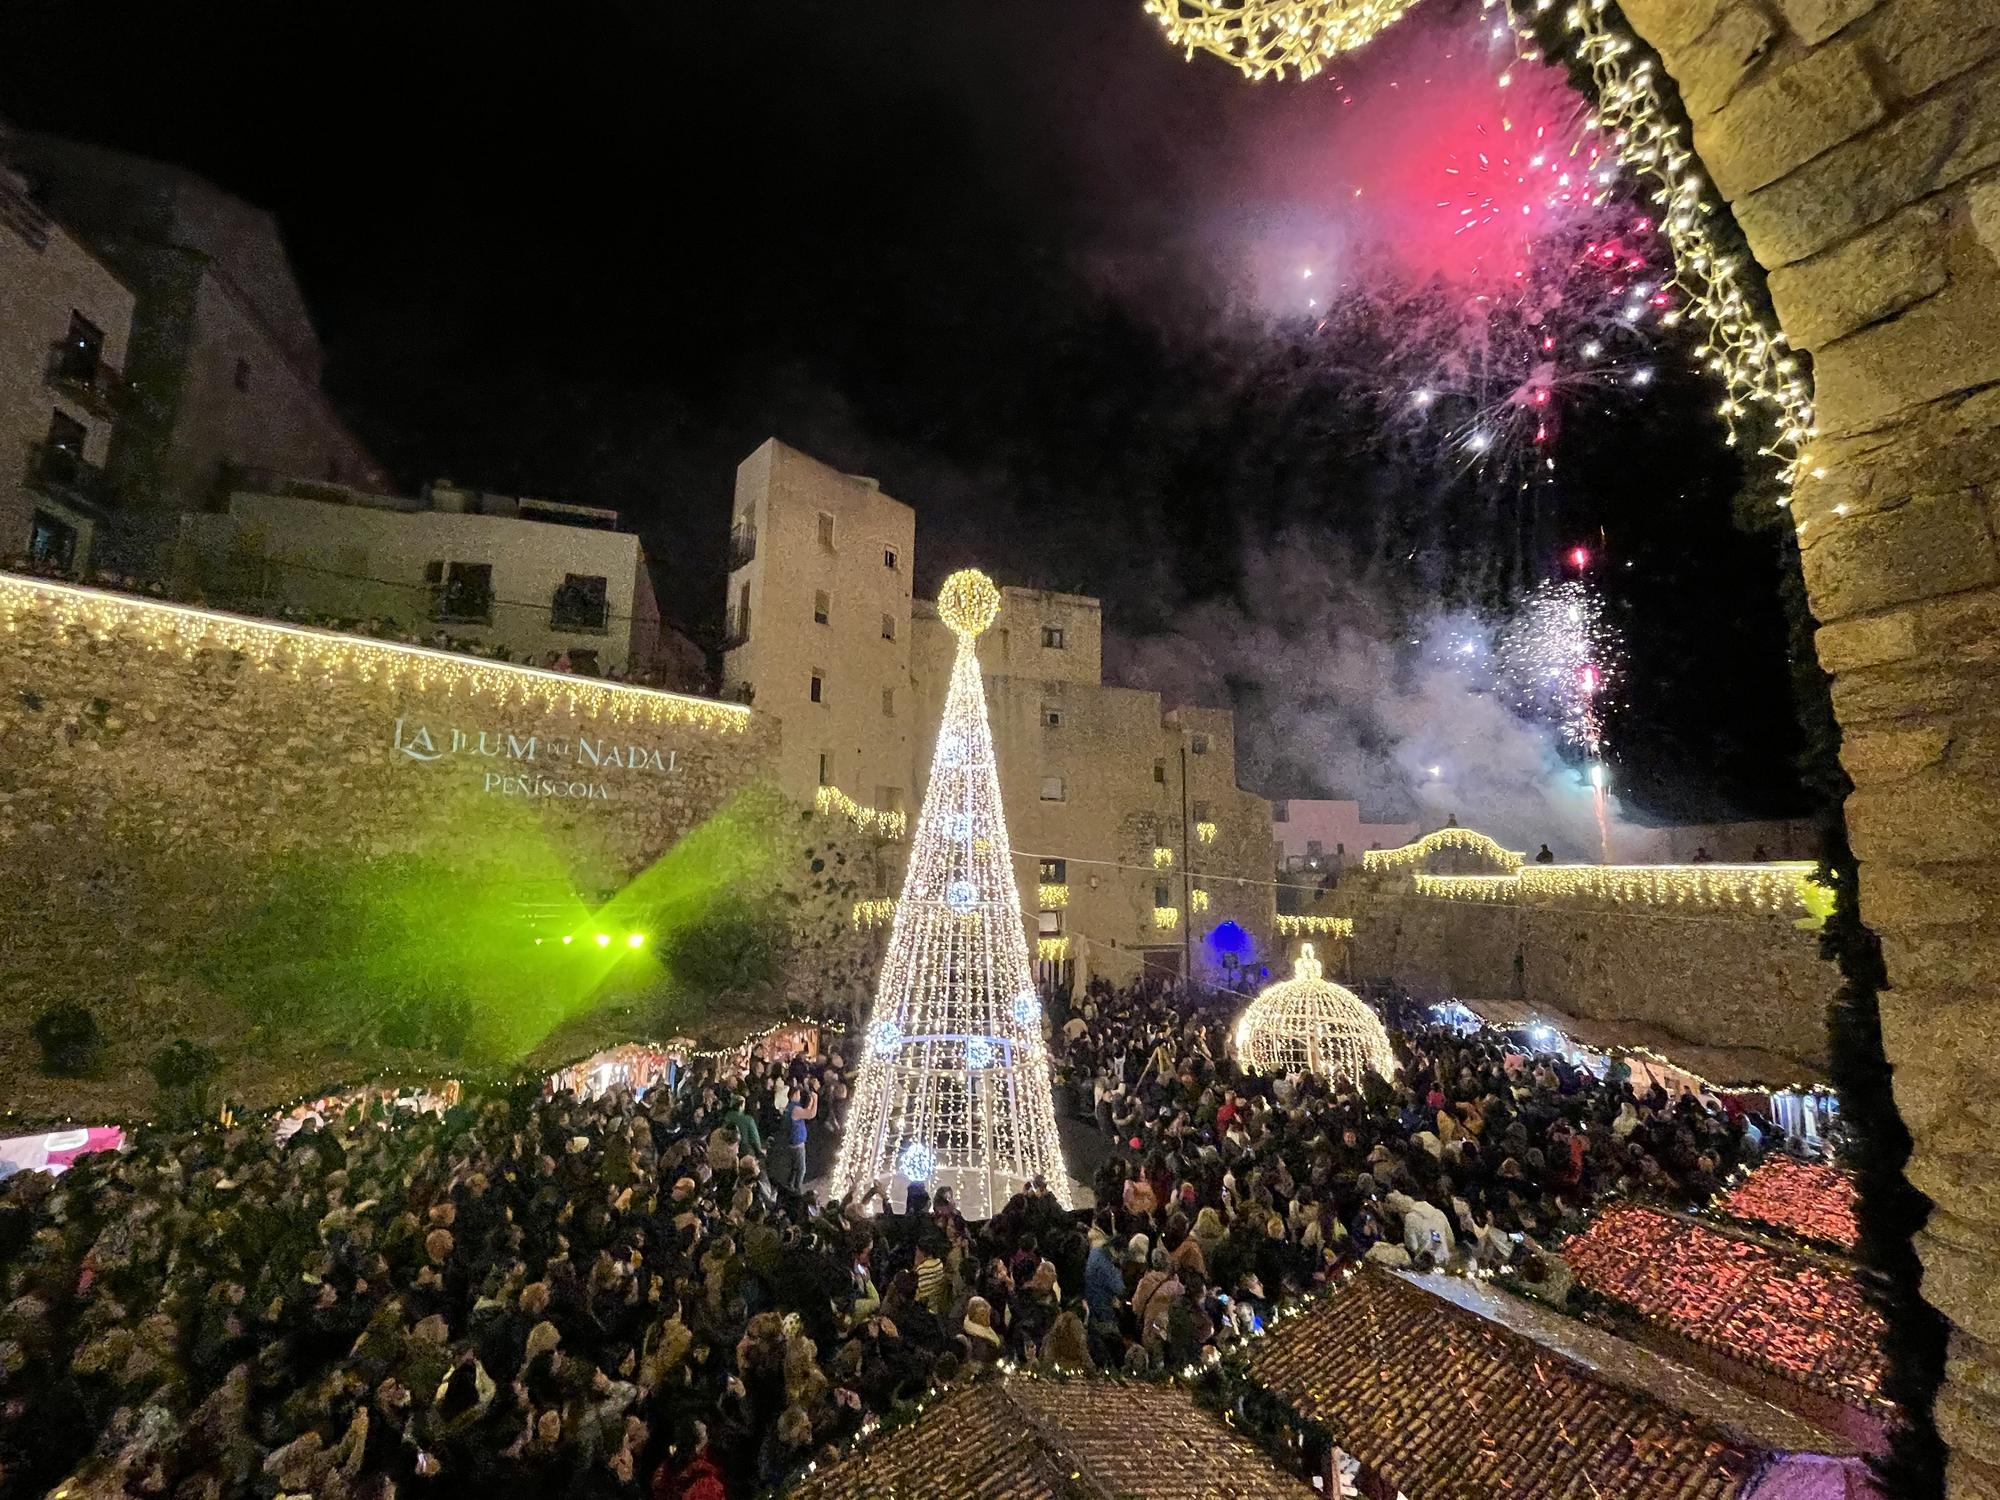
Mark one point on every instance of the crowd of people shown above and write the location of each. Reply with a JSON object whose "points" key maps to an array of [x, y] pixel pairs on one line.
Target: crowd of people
{"points": [[634, 1297]]}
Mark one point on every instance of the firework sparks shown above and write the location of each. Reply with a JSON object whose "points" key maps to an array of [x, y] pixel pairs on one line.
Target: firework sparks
{"points": [[1558, 657]]}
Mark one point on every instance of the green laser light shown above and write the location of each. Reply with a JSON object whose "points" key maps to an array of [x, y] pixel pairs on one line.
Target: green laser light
{"points": [[634, 939], [604, 940]]}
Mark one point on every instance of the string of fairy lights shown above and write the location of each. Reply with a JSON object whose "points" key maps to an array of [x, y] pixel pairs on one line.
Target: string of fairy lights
{"points": [[310, 655], [1742, 345], [1775, 887], [955, 1083], [887, 822]]}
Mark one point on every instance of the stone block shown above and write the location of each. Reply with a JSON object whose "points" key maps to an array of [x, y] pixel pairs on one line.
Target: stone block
{"points": [[1963, 629], [1982, 202], [1786, 117], [1947, 343], [1911, 896], [1873, 756], [1905, 690], [1863, 279], [1868, 642], [1959, 1279], [1927, 547], [1716, 64], [1671, 25], [1816, 20], [1944, 139], [1935, 817], [1920, 43]]}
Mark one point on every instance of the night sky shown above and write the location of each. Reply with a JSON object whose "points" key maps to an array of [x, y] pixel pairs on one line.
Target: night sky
{"points": [[986, 253]]}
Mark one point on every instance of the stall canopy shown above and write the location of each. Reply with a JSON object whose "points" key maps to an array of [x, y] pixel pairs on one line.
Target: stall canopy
{"points": [[1724, 1067]]}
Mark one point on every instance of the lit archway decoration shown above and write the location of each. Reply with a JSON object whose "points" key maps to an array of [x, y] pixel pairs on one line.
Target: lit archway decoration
{"points": [[1306, 1024], [1405, 856], [1264, 38]]}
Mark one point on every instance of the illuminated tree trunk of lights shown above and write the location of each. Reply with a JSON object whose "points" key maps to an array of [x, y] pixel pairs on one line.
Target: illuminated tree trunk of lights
{"points": [[955, 1080]]}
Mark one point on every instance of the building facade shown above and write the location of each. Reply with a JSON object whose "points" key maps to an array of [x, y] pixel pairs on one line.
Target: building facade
{"points": [[224, 366], [540, 578], [817, 624], [65, 319], [1134, 847], [1323, 836]]}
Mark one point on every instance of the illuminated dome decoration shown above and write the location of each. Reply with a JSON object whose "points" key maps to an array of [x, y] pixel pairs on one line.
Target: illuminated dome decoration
{"points": [[1307, 1025], [954, 1090], [1265, 37]]}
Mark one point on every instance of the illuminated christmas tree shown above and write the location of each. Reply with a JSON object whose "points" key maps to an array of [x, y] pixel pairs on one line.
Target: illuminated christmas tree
{"points": [[954, 1089]]}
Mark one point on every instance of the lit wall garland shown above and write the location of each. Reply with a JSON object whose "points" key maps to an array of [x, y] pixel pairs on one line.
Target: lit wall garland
{"points": [[303, 652], [1779, 887], [1445, 838], [879, 911], [1163, 857], [1263, 38], [1743, 345], [1051, 897], [831, 801], [1197, 900], [1052, 949], [955, 1082], [1308, 926], [1166, 918], [1204, 833]]}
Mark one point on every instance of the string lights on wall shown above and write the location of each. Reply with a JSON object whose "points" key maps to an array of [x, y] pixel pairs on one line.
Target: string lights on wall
{"points": [[324, 655], [1778, 888], [831, 801], [879, 911], [1311, 926], [1445, 838], [954, 1089], [1051, 897]]}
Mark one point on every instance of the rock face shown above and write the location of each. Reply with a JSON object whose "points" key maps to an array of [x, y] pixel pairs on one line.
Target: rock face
{"points": [[1858, 141], [1718, 979], [187, 798]]}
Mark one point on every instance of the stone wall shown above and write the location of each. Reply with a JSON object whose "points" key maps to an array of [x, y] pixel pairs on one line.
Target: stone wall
{"points": [[267, 839], [1857, 142], [1727, 978]]}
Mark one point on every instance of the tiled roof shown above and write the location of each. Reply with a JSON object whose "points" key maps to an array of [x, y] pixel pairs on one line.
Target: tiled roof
{"points": [[1809, 1199], [1799, 1317], [1019, 1438], [1448, 1405]]}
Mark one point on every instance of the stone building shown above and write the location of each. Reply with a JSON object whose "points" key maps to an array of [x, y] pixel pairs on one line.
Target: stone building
{"points": [[536, 576], [1321, 835], [64, 321], [1134, 846], [224, 366]]}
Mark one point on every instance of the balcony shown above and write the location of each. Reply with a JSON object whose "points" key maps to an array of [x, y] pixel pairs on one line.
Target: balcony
{"points": [[60, 474], [742, 546], [81, 375], [735, 628]]}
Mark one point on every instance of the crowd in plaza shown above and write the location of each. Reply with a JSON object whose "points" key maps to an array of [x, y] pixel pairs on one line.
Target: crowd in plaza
{"points": [[641, 1297]]}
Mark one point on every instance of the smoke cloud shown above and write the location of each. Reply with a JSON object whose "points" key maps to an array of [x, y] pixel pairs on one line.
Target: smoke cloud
{"points": [[1344, 688]]}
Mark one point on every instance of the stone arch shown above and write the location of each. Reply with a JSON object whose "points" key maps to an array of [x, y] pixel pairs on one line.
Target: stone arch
{"points": [[1857, 142]]}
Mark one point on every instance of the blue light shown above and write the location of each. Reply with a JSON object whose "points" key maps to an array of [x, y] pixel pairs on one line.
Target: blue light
{"points": [[884, 1036], [961, 896], [917, 1162], [1027, 1008], [980, 1052]]}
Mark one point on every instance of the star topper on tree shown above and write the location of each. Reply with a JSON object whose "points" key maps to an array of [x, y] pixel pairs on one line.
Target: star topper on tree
{"points": [[954, 1089]]}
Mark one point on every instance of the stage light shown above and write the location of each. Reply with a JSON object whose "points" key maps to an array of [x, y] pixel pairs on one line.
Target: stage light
{"points": [[604, 940], [635, 939]]}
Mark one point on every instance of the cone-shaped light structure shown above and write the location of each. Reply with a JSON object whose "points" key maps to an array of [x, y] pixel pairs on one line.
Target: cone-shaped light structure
{"points": [[954, 1088], [1306, 1025]]}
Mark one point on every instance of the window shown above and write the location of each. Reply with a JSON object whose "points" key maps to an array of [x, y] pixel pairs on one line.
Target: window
{"points": [[242, 377], [52, 542], [580, 603], [1199, 744], [825, 764], [1281, 812], [1055, 872], [1314, 849], [888, 703], [822, 607], [1052, 638], [818, 686], [1048, 923], [81, 352], [1052, 789], [1163, 895], [66, 436], [888, 627], [826, 529], [1201, 812], [1160, 772], [1052, 716], [889, 558], [460, 591]]}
